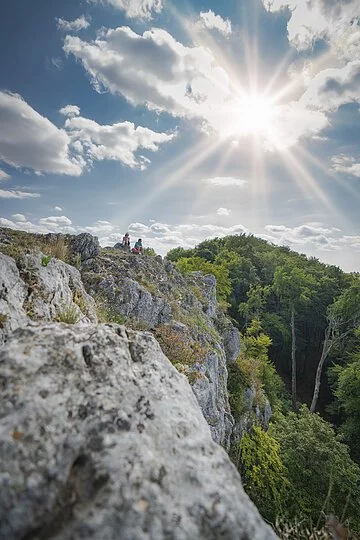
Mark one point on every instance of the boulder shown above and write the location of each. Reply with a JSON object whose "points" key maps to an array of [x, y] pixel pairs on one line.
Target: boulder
{"points": [[84, 244], [54, 290], [102, 439]]}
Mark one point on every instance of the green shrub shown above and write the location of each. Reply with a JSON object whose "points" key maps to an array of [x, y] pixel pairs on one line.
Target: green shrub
{"points": [[45, 260], [221, 273], [262, 471]]}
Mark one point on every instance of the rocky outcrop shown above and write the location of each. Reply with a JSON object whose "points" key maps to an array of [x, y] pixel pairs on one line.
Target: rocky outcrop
{"points": [[150, 292], [85, 245], [101, 438], [39, 288]]}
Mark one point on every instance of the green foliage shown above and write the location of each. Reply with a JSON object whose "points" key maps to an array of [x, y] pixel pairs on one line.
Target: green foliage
{"points": [[319, 468], [178, 253], [257, 369], [150, 252], [347, 391], [293, 284], [221, 273], [45, 260], [263, 472], [69, 315]]}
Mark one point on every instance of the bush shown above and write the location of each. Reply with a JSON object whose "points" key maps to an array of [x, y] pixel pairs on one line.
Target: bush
{"points": [[321, 473], [262, 471], [221, 273]]}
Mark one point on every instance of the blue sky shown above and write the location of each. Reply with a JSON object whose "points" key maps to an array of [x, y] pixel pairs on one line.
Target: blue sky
{"points": [[181, 121]]}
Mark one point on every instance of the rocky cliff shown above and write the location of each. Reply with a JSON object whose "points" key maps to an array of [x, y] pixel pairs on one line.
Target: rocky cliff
{"points": [[99, 432]]}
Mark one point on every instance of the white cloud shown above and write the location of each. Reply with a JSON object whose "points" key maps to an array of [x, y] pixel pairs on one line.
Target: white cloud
{"points": [[332, 20], [346, 164], [70, 110], [13, 194], [333, 87], [4, 175], [58, 208], [81, 23], [118, 142], [143, 9], [55, 221], [314, 233], [211, 21], [156, 71], [27, 139], [223, 211], [19, 218], [225, 181]]}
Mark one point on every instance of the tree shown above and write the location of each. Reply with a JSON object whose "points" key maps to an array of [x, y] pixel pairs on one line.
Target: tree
{"points": [[294, 286], [319, 468], [343, 317], [347, 391]]}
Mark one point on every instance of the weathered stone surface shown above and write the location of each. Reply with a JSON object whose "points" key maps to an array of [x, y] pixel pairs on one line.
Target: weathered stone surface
{"points": [[153, 292], [102, 439], [86, 245], [13, 293], [54, 289], [231, 337]]}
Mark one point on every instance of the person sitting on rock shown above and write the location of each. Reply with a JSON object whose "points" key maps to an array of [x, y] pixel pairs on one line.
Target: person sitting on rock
{"points": [[138, 248], [126, 241]]}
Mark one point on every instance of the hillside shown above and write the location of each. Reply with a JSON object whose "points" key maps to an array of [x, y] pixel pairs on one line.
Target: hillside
{"points": [[59, 291]]}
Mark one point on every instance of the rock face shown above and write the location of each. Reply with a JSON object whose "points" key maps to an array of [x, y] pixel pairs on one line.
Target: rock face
{"points": [[86, 245], [13, 293], [152, 293], [101, 438], [31, 291]]}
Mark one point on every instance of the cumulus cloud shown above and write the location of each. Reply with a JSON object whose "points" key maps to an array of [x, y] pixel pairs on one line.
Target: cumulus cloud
{"points": [[314, 233], [81, 23], [225, 181], [211, 21], [333, 87], [58, 208], [4, 175], [334, 21], [27, 139], [346, 164], [223, 211], [117, 142], [13, 194], [55, 220], [158, 72], [19, 218], [142, 9], [70, 110], [31, 141]]}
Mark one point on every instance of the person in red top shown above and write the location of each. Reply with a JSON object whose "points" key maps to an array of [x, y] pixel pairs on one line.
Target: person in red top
{"points": [[126, 241]]}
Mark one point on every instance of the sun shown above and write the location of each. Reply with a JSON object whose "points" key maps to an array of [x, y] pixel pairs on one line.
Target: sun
{"points": [[254, 114]]}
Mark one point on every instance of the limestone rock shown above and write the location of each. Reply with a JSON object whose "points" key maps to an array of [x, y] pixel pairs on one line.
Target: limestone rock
{"points": [[86, 245], [54, 288], [102, 439], [13, 293]]}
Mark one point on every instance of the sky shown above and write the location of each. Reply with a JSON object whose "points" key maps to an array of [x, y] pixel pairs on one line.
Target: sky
{"points": [[181, 121]]}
